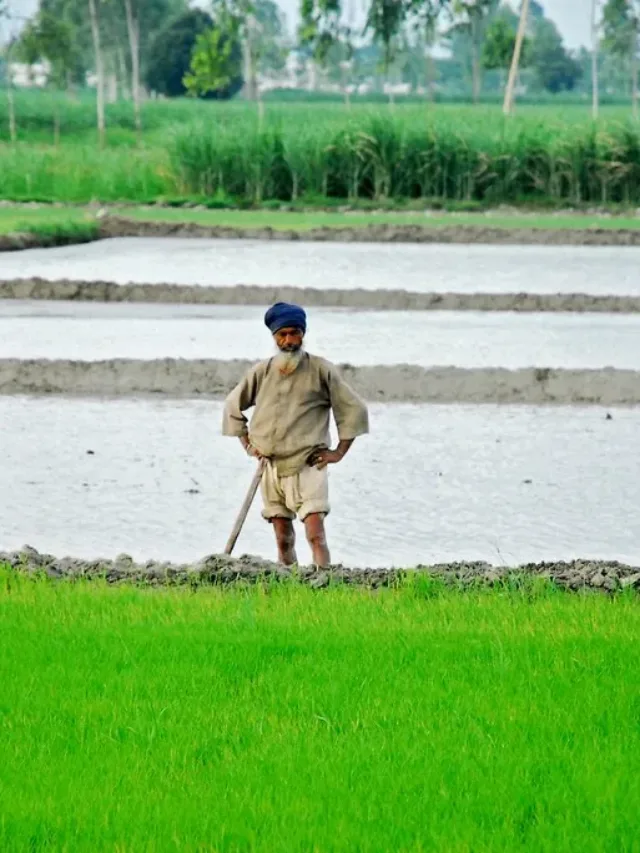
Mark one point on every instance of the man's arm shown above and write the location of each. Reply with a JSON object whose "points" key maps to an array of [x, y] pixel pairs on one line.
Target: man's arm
{"points": [[351, 417], [322, 458], [243, 397]]}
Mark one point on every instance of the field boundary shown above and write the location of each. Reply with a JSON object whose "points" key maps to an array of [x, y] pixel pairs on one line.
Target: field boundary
{"points": [[217, 569], [367, 300], [215, 378], [115, 226]]}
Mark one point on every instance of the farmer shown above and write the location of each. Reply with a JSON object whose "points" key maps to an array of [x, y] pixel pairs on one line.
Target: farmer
{"points": [[293, 393]]}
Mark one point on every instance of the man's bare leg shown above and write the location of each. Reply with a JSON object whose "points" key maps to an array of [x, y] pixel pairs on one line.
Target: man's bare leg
{"points": [[286, 540], [317, 539]]}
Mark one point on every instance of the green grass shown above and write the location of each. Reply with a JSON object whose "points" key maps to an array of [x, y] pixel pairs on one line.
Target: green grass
{"points": [[43, 219], [305, 221], [282, 719], [68, 223], [444, 153]]}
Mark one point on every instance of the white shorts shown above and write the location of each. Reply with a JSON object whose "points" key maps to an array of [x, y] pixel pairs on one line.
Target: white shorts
{"points": [[299, 495]]}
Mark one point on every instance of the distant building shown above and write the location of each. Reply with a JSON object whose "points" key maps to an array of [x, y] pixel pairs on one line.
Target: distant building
{"points": [[25, 76]]}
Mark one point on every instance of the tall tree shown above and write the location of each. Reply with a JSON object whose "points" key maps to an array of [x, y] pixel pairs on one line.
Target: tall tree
{"points": [[425, 16], [320, 27], [471, 19], [500, 43], [173, 50], [215, 60], [271, 40], [595, 50], [99, 66], [385, 21], [47, 37], [555, 69], [132, 16], [621, 27], [4, 16], [515, 63]]}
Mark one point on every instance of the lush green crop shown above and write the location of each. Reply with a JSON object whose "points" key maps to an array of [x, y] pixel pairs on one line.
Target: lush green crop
{"points": [[317, 151]]}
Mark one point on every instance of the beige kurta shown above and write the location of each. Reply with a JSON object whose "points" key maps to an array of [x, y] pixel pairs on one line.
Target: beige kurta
{"points": [[291, 417]]}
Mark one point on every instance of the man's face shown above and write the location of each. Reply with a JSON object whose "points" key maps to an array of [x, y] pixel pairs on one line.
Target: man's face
{"points": [[289, 339]]}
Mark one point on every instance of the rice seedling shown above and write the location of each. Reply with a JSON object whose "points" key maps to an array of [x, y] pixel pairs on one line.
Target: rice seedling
{"points": [[285, 719]]}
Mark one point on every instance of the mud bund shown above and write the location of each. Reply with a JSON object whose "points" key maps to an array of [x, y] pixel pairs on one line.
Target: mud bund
{"points": [[179, 378], [373, 300], [217, 569]]}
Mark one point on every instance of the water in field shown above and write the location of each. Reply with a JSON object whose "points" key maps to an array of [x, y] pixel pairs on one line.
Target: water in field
{"points": [[91, 331], [431, 483], [342, 266]]}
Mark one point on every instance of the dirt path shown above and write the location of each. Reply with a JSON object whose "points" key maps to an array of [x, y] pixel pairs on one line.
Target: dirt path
{"points": [[604, 576], [182, 378]]}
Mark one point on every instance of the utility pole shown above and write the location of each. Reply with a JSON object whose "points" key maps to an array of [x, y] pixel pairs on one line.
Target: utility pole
{"points": [[515, 62], [595, 49]]}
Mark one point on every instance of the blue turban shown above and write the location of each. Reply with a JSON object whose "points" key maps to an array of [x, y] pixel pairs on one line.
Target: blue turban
{"points": [[282, 315]]}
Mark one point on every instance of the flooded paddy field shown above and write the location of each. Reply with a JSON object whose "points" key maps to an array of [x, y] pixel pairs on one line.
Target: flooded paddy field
{"points": [[603, 270], [119, 471], [431, 483], [97, 331]]}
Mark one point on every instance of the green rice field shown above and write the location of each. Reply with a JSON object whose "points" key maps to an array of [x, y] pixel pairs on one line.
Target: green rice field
{"points": [[316, 152], [277, 718]]}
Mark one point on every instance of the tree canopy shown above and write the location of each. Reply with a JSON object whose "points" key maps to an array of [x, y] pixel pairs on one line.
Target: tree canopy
{"points": [[172, 52]]}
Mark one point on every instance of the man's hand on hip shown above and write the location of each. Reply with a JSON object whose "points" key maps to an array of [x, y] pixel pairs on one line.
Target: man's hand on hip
{"points": [[322, 458]]}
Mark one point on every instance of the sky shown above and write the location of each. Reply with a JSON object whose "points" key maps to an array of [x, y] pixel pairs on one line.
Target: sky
{"points": [[573, 17]]}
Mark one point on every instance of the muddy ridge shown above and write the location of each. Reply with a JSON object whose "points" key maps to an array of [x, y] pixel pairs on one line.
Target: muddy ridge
{"points": [[604, 576], [373, 300], [114, 226], [117, 226], [212, 378]]}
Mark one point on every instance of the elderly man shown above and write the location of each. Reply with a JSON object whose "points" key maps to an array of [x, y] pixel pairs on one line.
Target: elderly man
{"points": [[293, 393]]}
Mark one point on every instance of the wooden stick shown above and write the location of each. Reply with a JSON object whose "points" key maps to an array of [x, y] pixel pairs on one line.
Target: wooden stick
{"points": [[244, 509]]}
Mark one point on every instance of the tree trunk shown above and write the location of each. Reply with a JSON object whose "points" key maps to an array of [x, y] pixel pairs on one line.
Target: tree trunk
{"points": [[133, 29], [13, 132], [345, 86], [56, 121], [122, 74], [634, 83], [111, 84], [250, 83], [97, 49], [515, 62], [475, 61], [431, 76], [595, 45]]}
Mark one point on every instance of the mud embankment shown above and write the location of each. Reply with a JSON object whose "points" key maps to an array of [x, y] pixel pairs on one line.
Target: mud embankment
{"points": [[381, 233], [603, 576], [181, 378], [371, 300], [118, 226]]}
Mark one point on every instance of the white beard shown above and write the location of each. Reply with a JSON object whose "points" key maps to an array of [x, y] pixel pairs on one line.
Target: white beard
{"points": [[287, 362]]}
